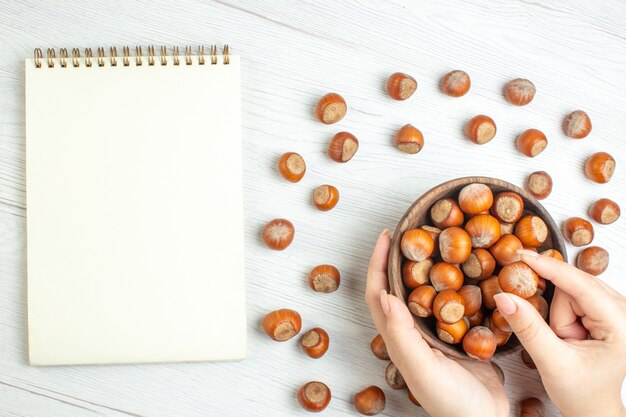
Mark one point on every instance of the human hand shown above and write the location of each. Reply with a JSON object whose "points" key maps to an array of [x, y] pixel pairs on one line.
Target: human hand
{"points": [[582, 359], [444, 387]]}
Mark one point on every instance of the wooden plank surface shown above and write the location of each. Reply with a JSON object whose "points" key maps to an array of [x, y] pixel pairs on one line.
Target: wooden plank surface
{"points": [[294, 52]]}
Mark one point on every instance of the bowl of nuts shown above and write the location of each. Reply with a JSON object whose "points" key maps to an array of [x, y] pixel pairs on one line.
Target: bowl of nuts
{"points": [[456, 247]]}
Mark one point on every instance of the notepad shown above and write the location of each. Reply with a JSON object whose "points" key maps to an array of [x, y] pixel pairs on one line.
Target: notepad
{"points": [[134, 207]]}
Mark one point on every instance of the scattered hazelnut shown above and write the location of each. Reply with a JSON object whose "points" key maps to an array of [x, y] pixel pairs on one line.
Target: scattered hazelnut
{"points": [[342, 147], [448, 306], [278, 234], [605, 211], [282, 324], [480, 265], [479, 343], [484, 230], [325, 197], [519, 91], [314, 396], [331, 108], [415, 274], [600, 167], [578, 231], [394, 377], [539, 184], [446, 213], [444, 276], [416, 244], [527, 359], [452, 333], [593, 260], [472, 299], [420, 301], [553, 253], [507, 207], [455, 245], [531, 407], [489, 287], [324, 278], [370, 401], [531, 231], [505, 250], [456, 83], [291, 166], [401, 86], [409, 139], [315, 342], [378, 348], [519, 279], [413, 399], [532, 142], [577, 124], [475, 198], [480, 129]]}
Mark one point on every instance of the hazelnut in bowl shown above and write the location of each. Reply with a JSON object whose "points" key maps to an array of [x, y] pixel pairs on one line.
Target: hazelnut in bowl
{"points": [[455, 248]]}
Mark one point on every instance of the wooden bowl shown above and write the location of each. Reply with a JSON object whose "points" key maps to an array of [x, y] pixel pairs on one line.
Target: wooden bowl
{"points": [[419, 214]]}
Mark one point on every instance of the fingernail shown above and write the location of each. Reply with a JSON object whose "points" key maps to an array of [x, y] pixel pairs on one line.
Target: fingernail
{"points": [[384, 303], [505, 304], [528, 253], [384, 233]]}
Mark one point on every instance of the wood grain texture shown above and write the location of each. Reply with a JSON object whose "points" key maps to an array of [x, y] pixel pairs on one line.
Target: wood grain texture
{"points": [[294, 52], [418, 214]]}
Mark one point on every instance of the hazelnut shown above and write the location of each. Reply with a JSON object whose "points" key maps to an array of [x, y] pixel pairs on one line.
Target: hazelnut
{"points": [[541, 286], [480, 129], [519, 279], [409, 139], [291, 166], [475, 198], [282, 324], [446, 213], [314, 396], [552, 253], [448, 306], [578, 231], [342, 147], [452, 333], [331, 108], [539, 184], [531, 407], [379, 349], [507, 207], [600, 167], [434, 234], [480, 265], [455, 245], [507, 228], [278, 234], [456, 83], [420, 301], [315, 342], [401, 86], [484, 230], [325, 197], [532, 142], [519, 91], [445, 276], [413, 399], [370, 401], [416, 244], [540, 304], [472, 299], [531, 231], [394, 377], [415, 274], [479, 343], [605, 211], [500, 322], [505, 250], [527, 359], [501, 336], [477, 318], [593, 260], [577, 124], [324, 278], [489, 287]]}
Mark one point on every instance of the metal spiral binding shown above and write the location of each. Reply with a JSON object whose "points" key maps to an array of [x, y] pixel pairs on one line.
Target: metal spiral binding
{"points": [[100, 59]]}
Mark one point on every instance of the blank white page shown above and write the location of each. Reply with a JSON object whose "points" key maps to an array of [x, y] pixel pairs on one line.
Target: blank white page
{"points": [[135, 213]]}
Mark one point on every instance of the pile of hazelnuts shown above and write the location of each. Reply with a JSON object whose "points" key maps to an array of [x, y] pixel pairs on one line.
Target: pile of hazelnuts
{"points": [[454, 266]]}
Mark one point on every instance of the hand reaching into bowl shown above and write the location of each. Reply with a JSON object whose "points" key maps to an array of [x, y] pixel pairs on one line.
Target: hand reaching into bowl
{"points": [[444, 387], [582, 360]]}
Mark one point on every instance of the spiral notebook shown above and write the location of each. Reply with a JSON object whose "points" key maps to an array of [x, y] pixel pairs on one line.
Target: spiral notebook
{"points": [[134, 202]]}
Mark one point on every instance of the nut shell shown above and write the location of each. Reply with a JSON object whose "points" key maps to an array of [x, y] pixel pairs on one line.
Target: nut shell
{"points": [[479, 343], [420, 301], [325, 197], [379, 349], [278, 234], [292, 166], [455, 245], [593, 260], [416, 244], [452, 333], [472, 299], [445, 276], [579, 232], [532, 142], [484, 230], [577, 125], [475, 198], [282, 325], [480, 265], [519, 91], [448, 306], [456, 83], [480, 129], [519, 279], [446, 213], [605, 211], [314, 396], [507, 207], [539, 184], [401, 86], [409, 139], [315, 342], [370, 401], [324, 278], [331, 108], [394, 378], [600, 167], [342, 147]]}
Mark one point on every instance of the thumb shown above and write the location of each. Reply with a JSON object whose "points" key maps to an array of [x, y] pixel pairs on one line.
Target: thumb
{"points": [[529, 327]]}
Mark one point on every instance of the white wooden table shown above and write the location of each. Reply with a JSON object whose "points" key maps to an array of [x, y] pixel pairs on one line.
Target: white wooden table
{"points": [[295, 51]]}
